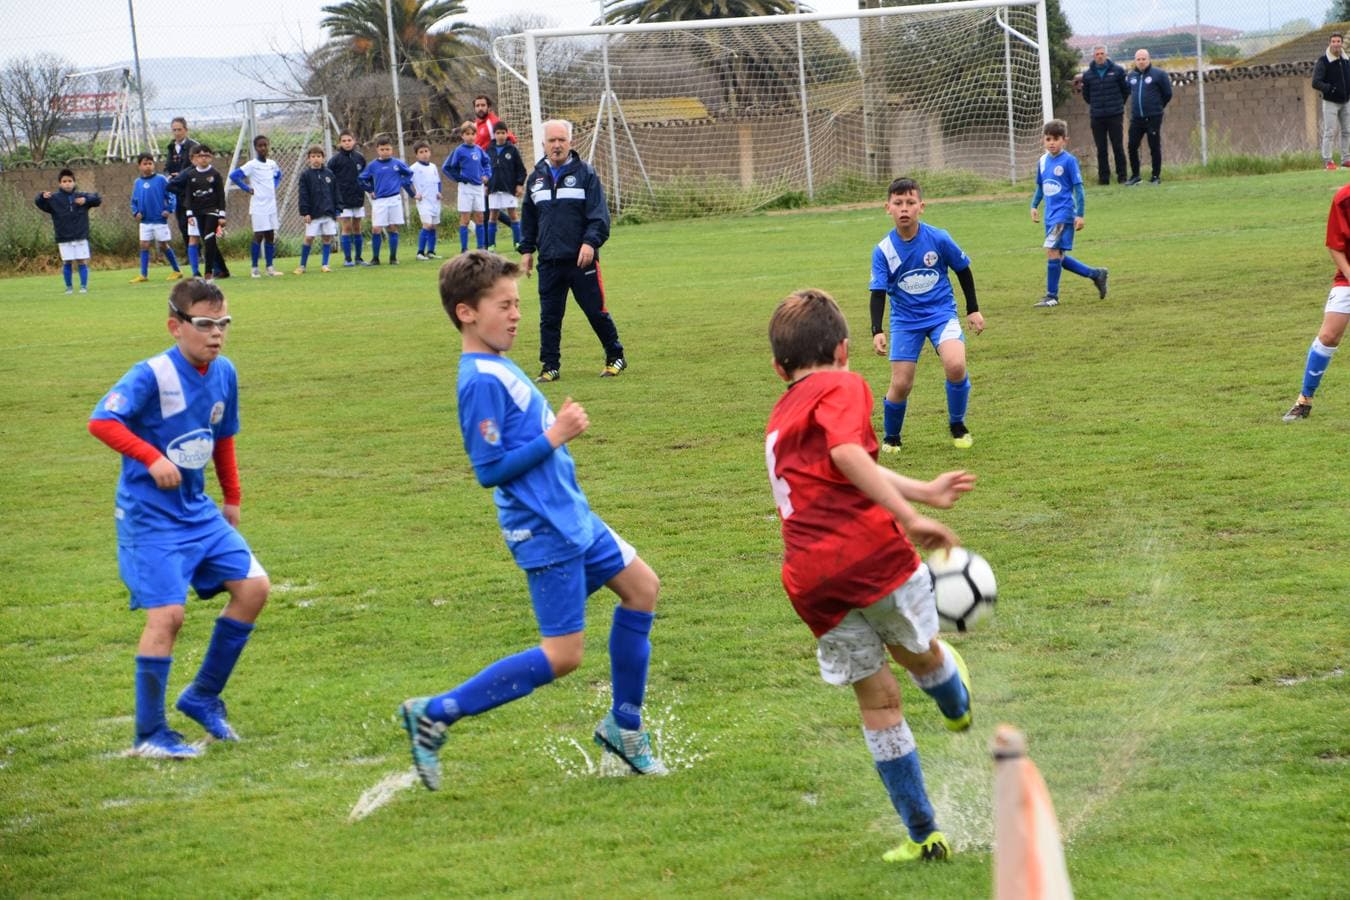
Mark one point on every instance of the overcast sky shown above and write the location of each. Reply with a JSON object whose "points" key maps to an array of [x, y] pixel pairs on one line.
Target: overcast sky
{"points": [[96, 32]]}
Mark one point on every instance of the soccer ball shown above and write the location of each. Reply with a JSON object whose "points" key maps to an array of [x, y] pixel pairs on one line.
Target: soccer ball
{"points": [[964, 587]]}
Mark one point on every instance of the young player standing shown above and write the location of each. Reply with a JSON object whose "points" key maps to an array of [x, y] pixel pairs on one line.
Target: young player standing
{"points": [[1060, 182], [849, 568], [518, 447], [259, 178], [426, 180], [69, 210], [505, 186], [152, 205], [169, 416], [346, 164], [384, 177], [469, 166], [910, 266], [318, 207], [1337, 311], [203, 190]]}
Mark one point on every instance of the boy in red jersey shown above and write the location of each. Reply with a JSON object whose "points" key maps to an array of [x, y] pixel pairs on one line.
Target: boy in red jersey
{"points": [[1336, 314], [850, 570]]}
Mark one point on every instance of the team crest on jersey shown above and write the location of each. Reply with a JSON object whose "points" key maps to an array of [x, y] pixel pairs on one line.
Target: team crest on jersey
{"points": [[191, 450], [1059, 170], [570, 181], [930, 258], [115, 402], [490, 432], [217, 412], [538, 185]]}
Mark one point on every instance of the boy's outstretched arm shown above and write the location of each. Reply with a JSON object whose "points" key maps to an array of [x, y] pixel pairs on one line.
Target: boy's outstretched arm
{"points": [[859, 467], [942, 492]]}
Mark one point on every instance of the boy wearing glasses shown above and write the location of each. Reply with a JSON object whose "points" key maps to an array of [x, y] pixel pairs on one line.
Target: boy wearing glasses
{"points": [[169, 416]]}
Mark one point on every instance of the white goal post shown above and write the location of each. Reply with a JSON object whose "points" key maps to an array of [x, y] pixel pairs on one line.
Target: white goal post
{"points": [[725, 115]]}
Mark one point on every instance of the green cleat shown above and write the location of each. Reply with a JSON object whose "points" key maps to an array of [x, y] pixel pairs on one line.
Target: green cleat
{"points": [[633, 747], [427, 738], [934, 848], [962, 439], [890, 444], [962, 723]]}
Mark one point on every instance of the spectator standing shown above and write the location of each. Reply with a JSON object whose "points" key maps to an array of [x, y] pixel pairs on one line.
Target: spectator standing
{"points": [[1150, 92], [1331, 78], [177, 157], [1104, 91]]}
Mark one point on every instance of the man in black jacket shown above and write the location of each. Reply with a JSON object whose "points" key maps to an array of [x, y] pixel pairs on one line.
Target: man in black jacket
{"points": [[1104, 91], [1150, 92], [1331, 78], [177, 157]]}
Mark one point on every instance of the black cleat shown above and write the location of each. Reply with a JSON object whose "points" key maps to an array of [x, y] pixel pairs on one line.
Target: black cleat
{"points": [[1100, 281]]}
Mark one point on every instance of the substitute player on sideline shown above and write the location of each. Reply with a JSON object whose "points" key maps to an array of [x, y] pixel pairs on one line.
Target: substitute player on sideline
{"points": [[518, 447], [1337, 311], [169, 416], [259, 178]]}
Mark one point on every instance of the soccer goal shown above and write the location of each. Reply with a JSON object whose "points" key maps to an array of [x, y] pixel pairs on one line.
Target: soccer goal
{"points": [[291, 126], [726, 115]]}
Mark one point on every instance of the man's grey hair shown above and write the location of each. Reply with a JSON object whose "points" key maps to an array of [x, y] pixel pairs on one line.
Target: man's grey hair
{"points": [[1096, 47], [567, 126]]}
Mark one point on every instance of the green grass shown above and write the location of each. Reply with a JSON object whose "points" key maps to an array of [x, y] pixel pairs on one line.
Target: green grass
{"points": [[1171, 631]]}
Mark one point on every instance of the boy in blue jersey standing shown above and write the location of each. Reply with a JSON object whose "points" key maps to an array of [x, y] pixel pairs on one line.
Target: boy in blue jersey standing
{"points": [[383, 178], [470, 167], [518, 447], [169, 416], [910, 266], [152, 205], [69, 210], [1060, 183]]}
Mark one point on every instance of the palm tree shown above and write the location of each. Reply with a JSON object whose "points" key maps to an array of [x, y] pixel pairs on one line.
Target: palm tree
{"points": [[627, 12]]}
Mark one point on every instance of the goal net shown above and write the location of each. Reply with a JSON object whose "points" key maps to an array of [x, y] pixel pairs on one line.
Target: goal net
{"points": [[291, 127], [728, 115]]}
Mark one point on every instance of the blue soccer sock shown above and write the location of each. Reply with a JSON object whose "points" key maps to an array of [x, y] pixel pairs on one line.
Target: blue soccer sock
{"points": [[431, 239], [492, 234], [629, 652], [304, 255], [1053, 269], [464, 239], [152, 680], [515, 231], [227, 642], [145, 263], [1076, 267], [897, 761], [422, 242], [1319, 357], [480, 236], [327, 252], [254, 251], [347, 247], [505, 680], [359, 241], [893, 417], [958, 397], [84, 275], [376, 240], [393, 246], [66, 270], [171, 257], [269, 253], [194, 260], [944, 685]]}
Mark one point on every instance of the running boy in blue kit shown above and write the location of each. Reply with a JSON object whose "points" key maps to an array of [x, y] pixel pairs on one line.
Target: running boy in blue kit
{"points": [[168, 417], [1061, 184], [910, 266], [383, 178], [518, 447], [69, 210], [152, 206]]}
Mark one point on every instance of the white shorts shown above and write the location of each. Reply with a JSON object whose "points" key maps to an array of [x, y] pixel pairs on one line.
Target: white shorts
{"points": [[1338, 301], [429, 211], [265, 219], [323, 226], [153, 232], [501, 200], [352, 212], [856, 647], [193, 231], [72, 250], [472, 198], [386, 211]]}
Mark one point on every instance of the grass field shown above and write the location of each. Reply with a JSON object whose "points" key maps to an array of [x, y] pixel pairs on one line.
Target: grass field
{"points": [[1171, 631]]}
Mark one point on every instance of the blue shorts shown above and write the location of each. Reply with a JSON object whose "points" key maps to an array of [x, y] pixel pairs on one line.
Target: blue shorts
{"points": [[1058, 236], [559, 591], [159, 575], [907, 343]]}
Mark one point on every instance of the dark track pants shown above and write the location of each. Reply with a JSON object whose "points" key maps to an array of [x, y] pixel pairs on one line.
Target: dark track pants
{"points": [[1140, 126], [556, 278], [1104, 129]]}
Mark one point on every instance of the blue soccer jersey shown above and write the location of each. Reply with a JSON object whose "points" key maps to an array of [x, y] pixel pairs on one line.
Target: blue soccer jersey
{"points": [[181, 412], [543, 514], [385, 177], [1056, 177], [914, 274]]}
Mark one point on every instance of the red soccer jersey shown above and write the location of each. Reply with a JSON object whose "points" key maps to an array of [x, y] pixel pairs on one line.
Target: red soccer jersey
{"points": [[1338, 229], [484, 129], [842, 550]]}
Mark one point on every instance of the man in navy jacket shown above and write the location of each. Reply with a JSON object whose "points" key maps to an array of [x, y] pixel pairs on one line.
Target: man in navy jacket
{"points": [[1150, 92], [1104, 91]]}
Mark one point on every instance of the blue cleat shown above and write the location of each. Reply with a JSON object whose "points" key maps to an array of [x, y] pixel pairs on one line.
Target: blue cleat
{"points": [[165, 744], [633, 747], [427, 737], [208, 712]]}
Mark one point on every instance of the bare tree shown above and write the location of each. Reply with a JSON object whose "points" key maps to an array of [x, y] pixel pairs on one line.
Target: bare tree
{"points": [[30, 100]]}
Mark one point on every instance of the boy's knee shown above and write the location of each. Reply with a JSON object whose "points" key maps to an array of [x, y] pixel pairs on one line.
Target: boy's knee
{"points": [[564, 656]]}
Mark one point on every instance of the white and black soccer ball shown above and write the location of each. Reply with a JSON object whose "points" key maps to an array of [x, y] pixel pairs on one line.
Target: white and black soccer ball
{"points": [[964, 586]]}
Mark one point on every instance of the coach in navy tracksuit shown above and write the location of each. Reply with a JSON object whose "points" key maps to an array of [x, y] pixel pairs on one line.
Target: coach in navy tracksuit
{"points": [[1104, 91], [1150, 92], [564, 219]]}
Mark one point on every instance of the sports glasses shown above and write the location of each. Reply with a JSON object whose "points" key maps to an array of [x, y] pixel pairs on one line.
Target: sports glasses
{"points": [[203, 323]]}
